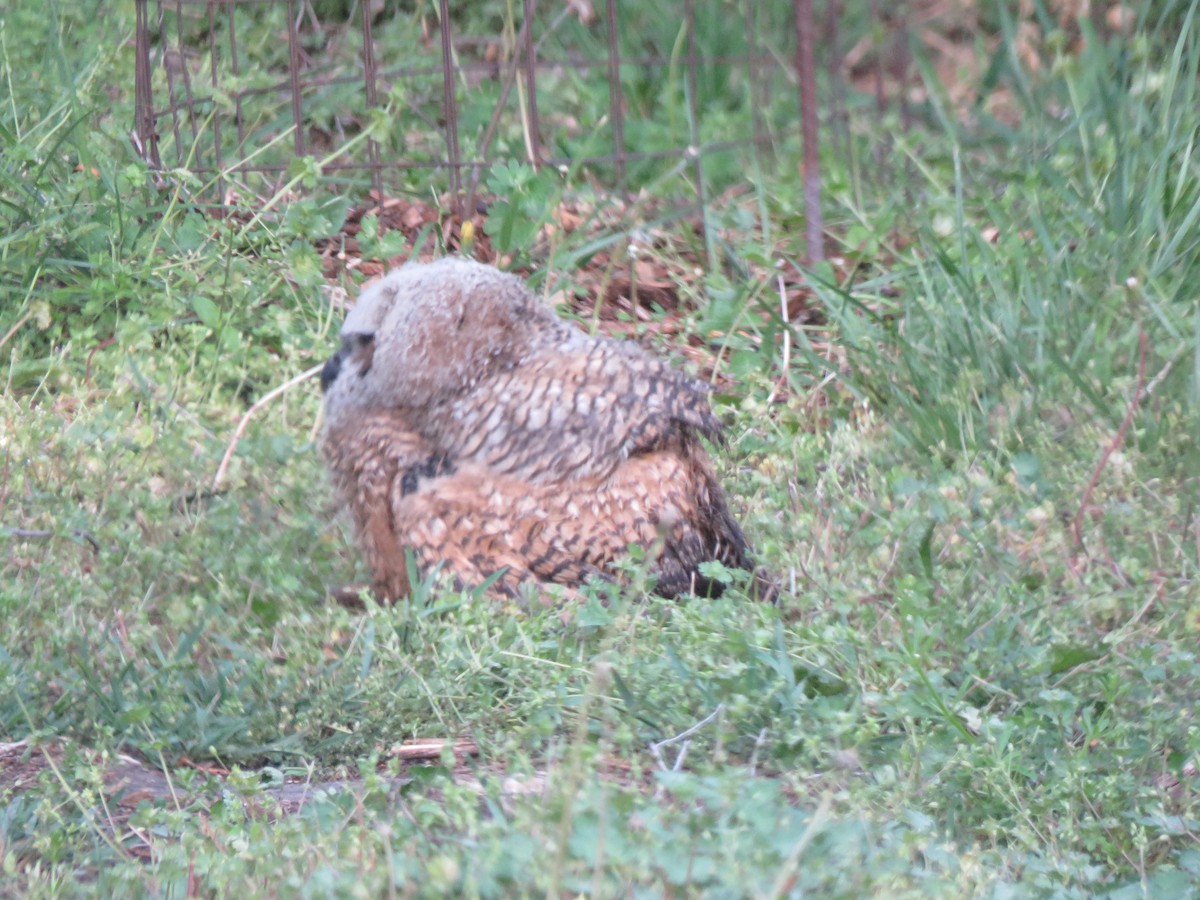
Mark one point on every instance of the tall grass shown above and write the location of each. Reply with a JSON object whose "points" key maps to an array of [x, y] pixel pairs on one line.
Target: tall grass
{"points": [[1039, 258], [59, 206]]}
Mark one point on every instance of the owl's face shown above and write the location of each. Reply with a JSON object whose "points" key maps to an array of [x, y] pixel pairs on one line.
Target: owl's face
{"points": [[343, 380], [427, 332], [358, 349]]}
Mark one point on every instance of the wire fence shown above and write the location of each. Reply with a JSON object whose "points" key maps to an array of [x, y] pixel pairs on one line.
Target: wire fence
{"points": [[380, 99], [236, 92]]}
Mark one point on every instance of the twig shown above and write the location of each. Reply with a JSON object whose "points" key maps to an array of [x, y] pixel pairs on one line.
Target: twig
{"points": [[1162, 373], [87, 369], [318, 421], [787, 336], [1117, 440], [1154, 596], [785, 878], [40, 533], [687, 734], [681, 756], [433, 748], [83, 535], [259, 404], [29, 533], [21, 321], [656, 748], [759, 742]]}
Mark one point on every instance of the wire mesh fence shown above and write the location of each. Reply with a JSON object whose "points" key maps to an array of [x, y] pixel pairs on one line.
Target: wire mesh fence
{"points": [[463, 101], [382, 100]]}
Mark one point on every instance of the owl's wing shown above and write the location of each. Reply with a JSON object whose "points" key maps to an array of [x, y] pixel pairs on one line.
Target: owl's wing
{"points": [[576, 409]]}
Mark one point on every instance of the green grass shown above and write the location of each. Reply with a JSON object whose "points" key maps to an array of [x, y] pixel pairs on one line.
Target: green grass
{"points": [[955, 696]]}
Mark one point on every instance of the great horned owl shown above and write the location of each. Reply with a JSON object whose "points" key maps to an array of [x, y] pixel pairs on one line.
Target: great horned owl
{"points": [[465, 422]]}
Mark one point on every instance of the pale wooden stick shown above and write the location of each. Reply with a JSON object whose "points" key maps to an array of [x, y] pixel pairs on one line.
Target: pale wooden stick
{"points": [[787, 337], [259, 404], [432, 748], [25, 318]]}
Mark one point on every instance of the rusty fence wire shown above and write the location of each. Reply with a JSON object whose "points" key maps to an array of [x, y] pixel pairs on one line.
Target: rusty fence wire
{"points": [[682, 98], [236, 91]]}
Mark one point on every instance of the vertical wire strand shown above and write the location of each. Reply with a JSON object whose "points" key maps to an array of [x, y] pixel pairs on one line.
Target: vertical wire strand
{"points": [[370, 77], [233, 63], [616, 100], [186, 77], [806, 72], [450, 104], [144, 122], [530, 54], [216, 121]]}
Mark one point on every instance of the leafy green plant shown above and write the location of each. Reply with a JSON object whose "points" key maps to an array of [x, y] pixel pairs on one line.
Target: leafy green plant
{"points": [[524, 200]]}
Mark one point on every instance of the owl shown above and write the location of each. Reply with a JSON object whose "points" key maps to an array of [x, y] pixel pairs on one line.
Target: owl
{"points": [[468, 427]]}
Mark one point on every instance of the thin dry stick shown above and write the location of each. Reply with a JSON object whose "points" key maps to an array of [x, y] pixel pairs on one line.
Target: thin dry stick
{"points": [[432, 748], [259, 404], [1118, 438], [1162, 373], [21, 321], [40, 533], [759, 742], [787, 337], [690, 731], [785, 878], [656, 748], [1154, 596]]}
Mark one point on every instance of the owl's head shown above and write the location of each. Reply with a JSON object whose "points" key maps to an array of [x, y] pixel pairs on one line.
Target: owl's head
{"points": [[428, 331]]}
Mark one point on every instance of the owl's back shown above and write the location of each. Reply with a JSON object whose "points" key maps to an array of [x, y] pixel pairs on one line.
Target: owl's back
{"points": [[573, 409]]}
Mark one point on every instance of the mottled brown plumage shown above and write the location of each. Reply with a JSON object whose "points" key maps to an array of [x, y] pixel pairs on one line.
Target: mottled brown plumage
{"points": [[468, 424]]}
